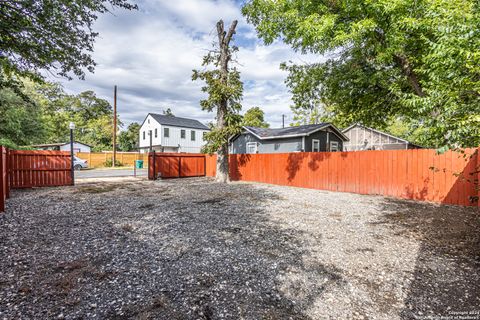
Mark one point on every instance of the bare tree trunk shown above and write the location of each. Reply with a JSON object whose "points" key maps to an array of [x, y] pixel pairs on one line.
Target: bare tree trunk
{"points": [[223, 43]]}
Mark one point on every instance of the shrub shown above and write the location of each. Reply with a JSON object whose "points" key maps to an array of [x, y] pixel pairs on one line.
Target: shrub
{"points": [[109, 163]]}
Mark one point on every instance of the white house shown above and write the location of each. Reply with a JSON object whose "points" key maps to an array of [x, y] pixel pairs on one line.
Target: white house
{"points": [[166, 133], [64, 146]]}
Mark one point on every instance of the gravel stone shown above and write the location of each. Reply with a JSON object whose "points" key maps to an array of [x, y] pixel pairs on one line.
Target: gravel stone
{"points": [[196, 249]]}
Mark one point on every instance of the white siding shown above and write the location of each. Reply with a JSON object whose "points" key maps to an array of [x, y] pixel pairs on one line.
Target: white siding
{"points": [[172, 143], [77, 147], [185, 144], [150, 124]]}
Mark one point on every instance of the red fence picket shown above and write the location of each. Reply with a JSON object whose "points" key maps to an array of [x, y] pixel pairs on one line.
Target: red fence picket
{"points": [[4, 185], [37, 168], [418, 174]]}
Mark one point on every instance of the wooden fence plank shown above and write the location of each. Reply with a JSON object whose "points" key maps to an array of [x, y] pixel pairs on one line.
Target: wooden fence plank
{"points": [[409, 174], [39, 168]]}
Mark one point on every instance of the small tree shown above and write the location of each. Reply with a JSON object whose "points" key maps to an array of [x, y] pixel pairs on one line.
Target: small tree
{"points": [[224, 90], [255, 117], [168, 112], [128, 140]]}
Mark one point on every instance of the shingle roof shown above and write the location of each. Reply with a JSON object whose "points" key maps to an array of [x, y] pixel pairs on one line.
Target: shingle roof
{"points": [[280, 132], [267, 133], [178, 122], [57, 144]]}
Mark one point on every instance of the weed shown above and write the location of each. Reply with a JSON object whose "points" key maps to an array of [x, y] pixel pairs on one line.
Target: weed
{"points": [[127, 227]]}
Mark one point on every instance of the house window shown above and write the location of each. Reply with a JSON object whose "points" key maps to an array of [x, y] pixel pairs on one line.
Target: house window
{"points": [[148, 121], [252, 147], [143, 135], [334, 146], [276, 146], [315, 145], [155, 132], [182, 134], [192, 135], [166, 132]]}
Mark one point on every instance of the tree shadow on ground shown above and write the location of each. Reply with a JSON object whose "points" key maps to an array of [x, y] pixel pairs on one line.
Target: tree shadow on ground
{"points": [[446, 278], [182, 249]]}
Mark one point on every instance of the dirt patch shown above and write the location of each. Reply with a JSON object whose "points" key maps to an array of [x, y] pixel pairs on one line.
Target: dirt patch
{"points": [[96, 188]]}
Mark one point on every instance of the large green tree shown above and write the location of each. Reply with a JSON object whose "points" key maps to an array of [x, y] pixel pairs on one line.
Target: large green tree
{"points": [[225, 91], [417, 60], [55, 36], [20, 122], [45, 116]]}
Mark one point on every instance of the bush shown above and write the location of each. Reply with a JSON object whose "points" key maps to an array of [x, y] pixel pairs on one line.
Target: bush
{"points": [[8, 143], [109, 163]]}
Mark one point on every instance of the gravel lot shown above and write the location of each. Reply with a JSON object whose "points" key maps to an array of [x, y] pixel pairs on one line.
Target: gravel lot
{"points": [[194, 249]]}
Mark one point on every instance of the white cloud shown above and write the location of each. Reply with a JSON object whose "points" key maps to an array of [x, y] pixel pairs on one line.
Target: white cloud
{"points": [[150, 55]]}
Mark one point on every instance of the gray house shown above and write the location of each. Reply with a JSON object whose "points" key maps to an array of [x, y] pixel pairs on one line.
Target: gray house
{"points": [[364, 138], [308, 138]]}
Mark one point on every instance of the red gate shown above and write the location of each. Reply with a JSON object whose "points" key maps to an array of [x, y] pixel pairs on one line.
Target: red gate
{"points": [[175, 165]]}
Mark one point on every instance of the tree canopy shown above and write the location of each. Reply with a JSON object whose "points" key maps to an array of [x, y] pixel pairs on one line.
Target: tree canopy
{"points": [[414, 60], [45, 118], [51, 35]]}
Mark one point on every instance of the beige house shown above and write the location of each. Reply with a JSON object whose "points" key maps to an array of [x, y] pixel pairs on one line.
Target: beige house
{"points": [[364, 138]]}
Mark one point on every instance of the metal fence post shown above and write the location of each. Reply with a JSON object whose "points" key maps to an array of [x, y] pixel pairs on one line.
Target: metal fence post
{"points": [[154, 166], [3, 192]]}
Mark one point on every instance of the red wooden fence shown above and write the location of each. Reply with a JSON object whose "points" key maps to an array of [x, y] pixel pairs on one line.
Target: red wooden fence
{"points": [[176, 165], [4, 185], [421, 174], [39, 168], [27, 169]]}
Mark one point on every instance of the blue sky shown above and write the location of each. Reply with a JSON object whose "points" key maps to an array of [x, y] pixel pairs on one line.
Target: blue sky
{"points": [[150, 54]]}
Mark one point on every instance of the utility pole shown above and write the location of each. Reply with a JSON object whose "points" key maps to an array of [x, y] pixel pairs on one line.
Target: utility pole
{"points": [[283, 121], [114, 125]]}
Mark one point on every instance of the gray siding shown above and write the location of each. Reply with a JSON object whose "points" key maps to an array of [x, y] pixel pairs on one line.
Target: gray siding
{"points": [[239, 144], [285, 145], [322, 136]]}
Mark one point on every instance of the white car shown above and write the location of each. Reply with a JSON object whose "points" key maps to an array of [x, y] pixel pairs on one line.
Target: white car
{"points": [[79, 164]]}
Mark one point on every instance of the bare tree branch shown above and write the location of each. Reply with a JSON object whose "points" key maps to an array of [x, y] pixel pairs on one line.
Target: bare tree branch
{"points": [[231, 32]]}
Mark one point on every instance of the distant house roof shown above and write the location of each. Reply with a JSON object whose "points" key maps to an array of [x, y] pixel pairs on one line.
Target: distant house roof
{"points": [[298, 131], [380, 132], [57, 144], [178, 122]]}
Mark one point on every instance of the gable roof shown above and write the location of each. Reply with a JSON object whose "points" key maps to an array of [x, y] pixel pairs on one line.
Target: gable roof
{"points": [[379, 132], [298, 131], [177, 121]]}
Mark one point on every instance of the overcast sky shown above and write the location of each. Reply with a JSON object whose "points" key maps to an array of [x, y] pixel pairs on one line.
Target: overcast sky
{"points": [[150, 54]]}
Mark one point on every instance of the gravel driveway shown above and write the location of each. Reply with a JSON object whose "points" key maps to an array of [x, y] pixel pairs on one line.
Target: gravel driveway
{"points": [[195, 249], [107, 173]]}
